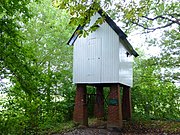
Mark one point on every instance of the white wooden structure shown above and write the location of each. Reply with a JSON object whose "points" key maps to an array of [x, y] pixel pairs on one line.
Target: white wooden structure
{"points": [[104, 56]]}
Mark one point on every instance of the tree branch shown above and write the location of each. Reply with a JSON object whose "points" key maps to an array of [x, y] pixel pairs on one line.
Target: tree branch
{"points": [[177, 21], [152, 29], [171, 19]]}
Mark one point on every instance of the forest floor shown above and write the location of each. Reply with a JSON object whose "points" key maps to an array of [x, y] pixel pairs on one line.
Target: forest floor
{"points": [[129, 128]]}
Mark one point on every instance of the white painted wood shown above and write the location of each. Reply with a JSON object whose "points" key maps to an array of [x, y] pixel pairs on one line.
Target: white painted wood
{"points": [[101, 58], [94, 60]]}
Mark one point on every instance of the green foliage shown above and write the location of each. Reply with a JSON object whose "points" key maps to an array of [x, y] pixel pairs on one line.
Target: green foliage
{"points": [[169, 58], [81, 12], [149, 15], [38, 63], [153, 96]]}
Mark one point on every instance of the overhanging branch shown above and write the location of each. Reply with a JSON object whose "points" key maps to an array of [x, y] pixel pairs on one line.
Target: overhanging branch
{"points": [[152, 29], [172, 19]]}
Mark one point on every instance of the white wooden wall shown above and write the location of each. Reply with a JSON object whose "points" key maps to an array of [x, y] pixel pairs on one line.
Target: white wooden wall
{"points": [[101, 58]]}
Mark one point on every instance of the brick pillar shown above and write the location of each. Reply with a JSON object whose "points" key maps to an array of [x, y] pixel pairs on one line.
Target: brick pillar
{"points": [[114, 107], [126, 103], [99, 103], [80, 108]]}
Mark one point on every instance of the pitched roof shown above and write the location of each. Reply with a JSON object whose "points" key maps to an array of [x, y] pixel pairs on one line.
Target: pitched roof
{"points": [[112, 24]]}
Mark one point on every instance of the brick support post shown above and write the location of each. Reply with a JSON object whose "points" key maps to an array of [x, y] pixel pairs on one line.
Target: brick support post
{"points": [[99, 103], [80, 108], [114, 107], [126, 103]]}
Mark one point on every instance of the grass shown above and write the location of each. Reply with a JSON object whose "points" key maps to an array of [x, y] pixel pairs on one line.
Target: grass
{"points": [[58, 128]]}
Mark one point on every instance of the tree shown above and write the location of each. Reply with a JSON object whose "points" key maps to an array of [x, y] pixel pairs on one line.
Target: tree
{"points": [[11, 13], [153, 96], [53, 57], [38, 63], [168, 58], [150, 15]]}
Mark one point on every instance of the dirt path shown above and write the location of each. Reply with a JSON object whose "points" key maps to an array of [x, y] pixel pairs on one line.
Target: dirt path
{"points": [[91, 131], [131, 128], [95, 131]]}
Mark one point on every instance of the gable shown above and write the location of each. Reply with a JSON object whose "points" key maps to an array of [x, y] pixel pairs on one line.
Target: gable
{"points": [[117, 30]]}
